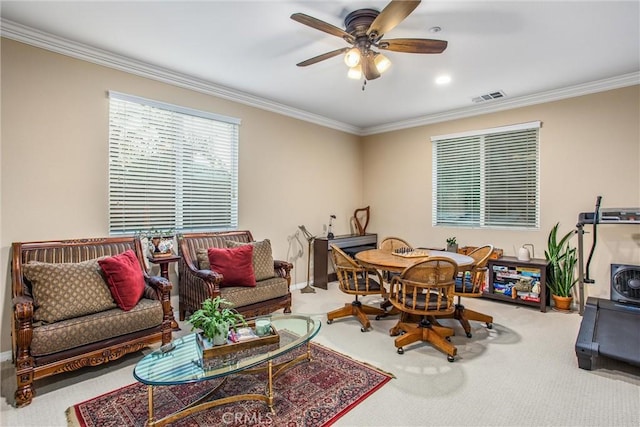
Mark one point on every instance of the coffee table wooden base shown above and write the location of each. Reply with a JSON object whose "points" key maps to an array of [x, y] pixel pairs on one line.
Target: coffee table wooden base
{"points": [[201, 404]]}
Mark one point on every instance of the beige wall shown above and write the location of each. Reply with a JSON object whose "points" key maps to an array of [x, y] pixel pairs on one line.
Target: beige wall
{"points": [[589, 146], [54, 112], [55, 170]]}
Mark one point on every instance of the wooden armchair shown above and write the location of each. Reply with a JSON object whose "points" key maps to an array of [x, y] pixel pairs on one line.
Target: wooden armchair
{"points": [[471, 286], [356, 280], [425, 289], [197, 281]]}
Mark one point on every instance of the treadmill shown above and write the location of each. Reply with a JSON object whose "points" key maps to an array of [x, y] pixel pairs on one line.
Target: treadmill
{"points": [[609, 328]]}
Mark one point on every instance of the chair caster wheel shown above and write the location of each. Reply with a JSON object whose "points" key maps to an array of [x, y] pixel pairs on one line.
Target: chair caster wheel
{"points": [[469, 335], [400, 350], [450, 359], [329, 322], [489, 325], [448, 339], [378, 317], [363, 329]]}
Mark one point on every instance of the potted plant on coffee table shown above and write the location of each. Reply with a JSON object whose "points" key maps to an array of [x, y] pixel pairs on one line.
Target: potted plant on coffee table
{"points": [[215, 318], [562, 260]]}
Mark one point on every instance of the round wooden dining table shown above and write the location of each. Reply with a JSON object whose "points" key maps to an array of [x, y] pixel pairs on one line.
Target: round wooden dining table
{"points": [[387, 261]]}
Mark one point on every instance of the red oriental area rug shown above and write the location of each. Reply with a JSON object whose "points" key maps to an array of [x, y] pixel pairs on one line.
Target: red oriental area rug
{"points": [[315, 393]]}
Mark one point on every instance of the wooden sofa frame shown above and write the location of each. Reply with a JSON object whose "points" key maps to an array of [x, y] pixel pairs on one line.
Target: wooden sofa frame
{"points": [[196, 285], [30, 368]]}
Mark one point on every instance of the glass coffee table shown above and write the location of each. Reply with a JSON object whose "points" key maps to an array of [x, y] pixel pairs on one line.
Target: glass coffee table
{"points": [[183, 363]]}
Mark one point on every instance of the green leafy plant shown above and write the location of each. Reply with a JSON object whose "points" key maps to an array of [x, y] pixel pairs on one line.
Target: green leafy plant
{"points": [[215, 317], [451, 241], [562, 260]]}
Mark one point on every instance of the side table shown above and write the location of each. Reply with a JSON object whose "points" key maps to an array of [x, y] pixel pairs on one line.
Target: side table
{"points": [[163, 262]]}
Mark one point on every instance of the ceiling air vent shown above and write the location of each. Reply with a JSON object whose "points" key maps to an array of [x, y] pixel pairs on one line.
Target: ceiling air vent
{"points": [[489, 96]]}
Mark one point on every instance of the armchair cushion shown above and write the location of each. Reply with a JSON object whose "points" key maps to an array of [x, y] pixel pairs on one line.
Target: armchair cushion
{"points": [[66, 290], [262, 257], [235, 265], [125, 278]]}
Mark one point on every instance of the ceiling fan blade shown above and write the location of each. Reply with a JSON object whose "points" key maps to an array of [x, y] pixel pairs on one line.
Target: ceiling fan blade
{"points": [[322, 26], [394, 13], [413, 45], [322, 57], [369, 68]]}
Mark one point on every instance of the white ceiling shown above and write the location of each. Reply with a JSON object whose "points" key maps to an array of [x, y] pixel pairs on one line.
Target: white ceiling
{"points": [[530, 50]]}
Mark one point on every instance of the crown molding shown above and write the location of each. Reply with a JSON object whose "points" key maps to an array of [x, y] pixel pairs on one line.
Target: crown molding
{"points": [[508, 104], [41, 39]]}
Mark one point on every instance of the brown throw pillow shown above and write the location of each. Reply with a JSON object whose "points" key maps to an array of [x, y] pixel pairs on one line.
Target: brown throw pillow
{"points": [[262, 258], [66, 290], [202, 257]]}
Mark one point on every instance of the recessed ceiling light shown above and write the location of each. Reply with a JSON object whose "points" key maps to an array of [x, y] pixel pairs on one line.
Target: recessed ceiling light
{"points": [[435, 29], [443, 80]]}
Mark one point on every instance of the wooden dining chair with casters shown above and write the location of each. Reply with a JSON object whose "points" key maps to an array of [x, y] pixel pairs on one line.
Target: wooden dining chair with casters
{"points": [[470, 285], [424, 291], [356, 280], [390, 244]]}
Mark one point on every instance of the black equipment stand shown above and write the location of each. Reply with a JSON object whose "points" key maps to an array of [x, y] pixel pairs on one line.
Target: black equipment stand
{"points": [[608, 328]]}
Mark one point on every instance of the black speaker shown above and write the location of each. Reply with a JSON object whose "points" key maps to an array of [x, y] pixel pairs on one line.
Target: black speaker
{"points": [[625, 283]]}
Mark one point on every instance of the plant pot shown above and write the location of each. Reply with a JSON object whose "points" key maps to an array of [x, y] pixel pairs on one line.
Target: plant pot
{"points": [[562, 303], [452, 248], [221, 339], [160, 246]]}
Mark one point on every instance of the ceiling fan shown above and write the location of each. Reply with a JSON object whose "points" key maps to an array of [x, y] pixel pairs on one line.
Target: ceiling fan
{"points": [[364, 29]]}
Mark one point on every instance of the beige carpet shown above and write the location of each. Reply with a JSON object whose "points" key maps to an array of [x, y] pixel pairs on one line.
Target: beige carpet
{"points": [[522, 372]]}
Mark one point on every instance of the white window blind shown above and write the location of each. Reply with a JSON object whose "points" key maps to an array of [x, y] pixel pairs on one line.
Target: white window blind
{"points": [[170, 167], [487, 178]]}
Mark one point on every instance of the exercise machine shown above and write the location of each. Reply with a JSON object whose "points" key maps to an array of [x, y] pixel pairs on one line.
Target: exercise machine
{"points": [[609, 328]]}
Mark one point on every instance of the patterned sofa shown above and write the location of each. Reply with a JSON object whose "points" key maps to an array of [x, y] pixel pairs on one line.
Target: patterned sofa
{"points": [[66, 315], [198, 280]]}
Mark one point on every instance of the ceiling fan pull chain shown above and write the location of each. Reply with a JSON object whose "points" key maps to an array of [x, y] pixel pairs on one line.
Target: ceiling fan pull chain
{"points": [[364, 85]]}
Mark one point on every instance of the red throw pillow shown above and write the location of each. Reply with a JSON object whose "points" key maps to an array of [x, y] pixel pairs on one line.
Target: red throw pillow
{"points": [[125, 278], [235, 265]]}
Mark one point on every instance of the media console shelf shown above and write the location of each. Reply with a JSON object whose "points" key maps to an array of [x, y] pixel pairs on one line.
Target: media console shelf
{"points": [[350, 243], [505, 272]]}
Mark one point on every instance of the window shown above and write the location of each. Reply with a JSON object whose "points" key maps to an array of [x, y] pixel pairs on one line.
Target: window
{"points": [[487, 178], [170, 167]]}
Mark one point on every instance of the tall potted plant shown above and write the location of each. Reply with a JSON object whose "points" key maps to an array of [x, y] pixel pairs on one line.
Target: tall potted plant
{"points": [[562, 260], [215, 318]]}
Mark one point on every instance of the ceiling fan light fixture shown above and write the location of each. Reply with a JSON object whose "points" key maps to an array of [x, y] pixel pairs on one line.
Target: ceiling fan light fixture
{"points": [[382, 63], [355, 72], [443, 80], [352, 57], [364, 30]]}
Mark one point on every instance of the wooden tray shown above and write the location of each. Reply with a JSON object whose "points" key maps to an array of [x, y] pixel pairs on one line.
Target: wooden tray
{"points": [[210, 351]]}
